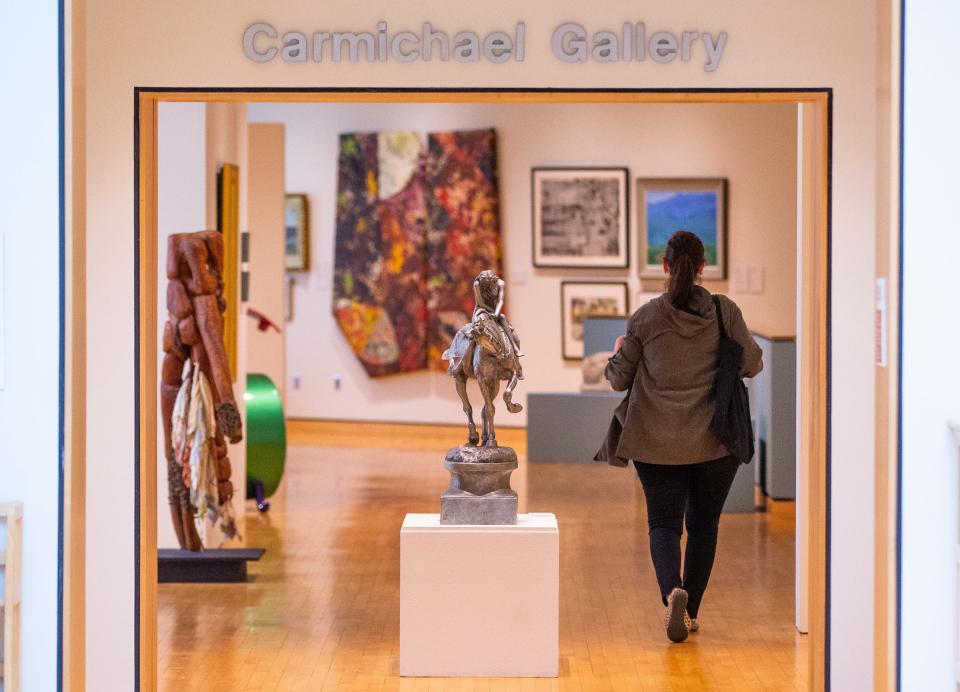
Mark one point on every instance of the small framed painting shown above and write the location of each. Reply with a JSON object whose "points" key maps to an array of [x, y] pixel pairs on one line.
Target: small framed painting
{"points": [[668, 205], [580, 217], [228, 223], [296, 233], [579, 299]]}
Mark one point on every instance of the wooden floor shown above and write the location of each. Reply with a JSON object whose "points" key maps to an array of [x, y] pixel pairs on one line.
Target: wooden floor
{"points": [[322, 609]]}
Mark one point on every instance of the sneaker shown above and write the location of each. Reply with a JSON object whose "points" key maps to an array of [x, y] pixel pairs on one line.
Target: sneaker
{"points": [[692, 624], [675, 620]]}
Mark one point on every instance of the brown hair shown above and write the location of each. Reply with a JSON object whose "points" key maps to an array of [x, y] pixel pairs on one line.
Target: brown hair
{"points": [[684, 256]]}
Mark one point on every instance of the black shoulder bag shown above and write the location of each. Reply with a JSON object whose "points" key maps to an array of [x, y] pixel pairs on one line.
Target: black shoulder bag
{"points": [[731, 417]]}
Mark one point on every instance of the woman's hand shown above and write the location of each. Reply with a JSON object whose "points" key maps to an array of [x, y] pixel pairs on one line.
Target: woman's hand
{"points": [[616, 346]]}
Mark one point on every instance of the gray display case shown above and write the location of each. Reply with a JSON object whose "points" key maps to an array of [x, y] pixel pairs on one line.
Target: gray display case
{"points": [[773, 404], [568, 427]]}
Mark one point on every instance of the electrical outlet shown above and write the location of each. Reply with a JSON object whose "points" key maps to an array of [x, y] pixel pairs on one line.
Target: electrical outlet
{"points": [[320, 278], [755, 279], [296, 381], [740, 280], [337, 381]]}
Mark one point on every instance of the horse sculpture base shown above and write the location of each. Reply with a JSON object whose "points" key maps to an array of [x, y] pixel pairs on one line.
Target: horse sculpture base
{"points": [[479, 491]]}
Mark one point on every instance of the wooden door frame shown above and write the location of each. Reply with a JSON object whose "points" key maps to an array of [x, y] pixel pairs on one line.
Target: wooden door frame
{"points": [[814, 349]]}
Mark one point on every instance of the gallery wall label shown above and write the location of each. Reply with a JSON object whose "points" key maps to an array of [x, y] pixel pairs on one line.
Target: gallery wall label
{"points": [[570, 42]]}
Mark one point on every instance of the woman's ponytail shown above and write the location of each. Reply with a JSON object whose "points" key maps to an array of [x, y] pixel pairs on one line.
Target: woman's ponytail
{"points": [[684, 256]]}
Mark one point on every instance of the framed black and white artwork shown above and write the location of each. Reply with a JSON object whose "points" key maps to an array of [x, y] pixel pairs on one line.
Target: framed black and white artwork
{"points": [[580, 299], [580, 217]]}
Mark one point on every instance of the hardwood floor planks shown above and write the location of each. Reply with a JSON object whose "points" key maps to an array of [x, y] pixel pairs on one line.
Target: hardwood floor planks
{"points": [[321, 611]]}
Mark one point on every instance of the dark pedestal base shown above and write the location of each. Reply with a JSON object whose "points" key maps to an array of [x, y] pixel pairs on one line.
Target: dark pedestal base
{"points": [[219, 566]]}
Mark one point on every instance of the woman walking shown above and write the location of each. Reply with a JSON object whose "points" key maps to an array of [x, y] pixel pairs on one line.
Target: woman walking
{"points": [[668, 361]]}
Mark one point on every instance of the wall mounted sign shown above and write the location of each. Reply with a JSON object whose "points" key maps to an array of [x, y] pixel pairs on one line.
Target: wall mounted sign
{"points": [[570, 42], [880, 323]]}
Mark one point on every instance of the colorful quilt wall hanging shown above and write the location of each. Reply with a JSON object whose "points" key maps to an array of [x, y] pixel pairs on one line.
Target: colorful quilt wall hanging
{"points": [[417, 219]]}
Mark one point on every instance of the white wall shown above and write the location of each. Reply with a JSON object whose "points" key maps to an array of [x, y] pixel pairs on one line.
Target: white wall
{"points": [[754, 146], [29, 288], [181, 208], [819, 43], [930, 368]]}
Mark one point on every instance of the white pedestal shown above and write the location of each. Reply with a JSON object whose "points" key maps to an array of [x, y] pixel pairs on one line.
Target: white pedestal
{"points": [[479, 600]]}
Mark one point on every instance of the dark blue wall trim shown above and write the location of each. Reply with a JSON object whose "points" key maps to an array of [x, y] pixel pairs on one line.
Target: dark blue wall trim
{"points": [[829, 430], [478, 90], [137, 384], [899, 193], [61, 393]]}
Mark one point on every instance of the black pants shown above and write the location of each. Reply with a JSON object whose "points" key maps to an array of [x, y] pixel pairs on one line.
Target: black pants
{"points": [[697, 491]]}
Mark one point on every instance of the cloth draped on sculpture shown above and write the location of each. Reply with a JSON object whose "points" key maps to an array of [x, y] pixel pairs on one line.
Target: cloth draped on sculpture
{"points": [[194, 429], [417, 220]]}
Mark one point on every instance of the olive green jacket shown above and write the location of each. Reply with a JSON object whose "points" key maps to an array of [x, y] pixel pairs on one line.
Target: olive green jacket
{"points": [[668, 362]]}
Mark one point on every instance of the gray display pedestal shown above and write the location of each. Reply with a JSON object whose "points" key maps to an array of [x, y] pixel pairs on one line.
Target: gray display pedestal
{"points": [[741, 500], [568, 426], [773, 404]]}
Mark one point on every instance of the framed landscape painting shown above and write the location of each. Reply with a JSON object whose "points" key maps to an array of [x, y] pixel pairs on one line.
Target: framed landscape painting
{"points": [[667, 205], [296, 233], [579, 299], [580, 217]]}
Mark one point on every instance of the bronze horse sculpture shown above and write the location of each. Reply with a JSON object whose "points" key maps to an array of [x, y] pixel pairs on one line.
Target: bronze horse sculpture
{"points": [[487, 350]]}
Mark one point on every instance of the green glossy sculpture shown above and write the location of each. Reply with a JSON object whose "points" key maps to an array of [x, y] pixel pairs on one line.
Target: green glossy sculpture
{"points": [[266, 438]]}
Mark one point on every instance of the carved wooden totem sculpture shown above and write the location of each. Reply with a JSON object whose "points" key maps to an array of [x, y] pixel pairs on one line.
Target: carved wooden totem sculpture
{"points": [[194, 351]]}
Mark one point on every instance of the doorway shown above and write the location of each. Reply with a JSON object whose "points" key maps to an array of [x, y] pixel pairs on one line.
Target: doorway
{"points": [[813, 309]]}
